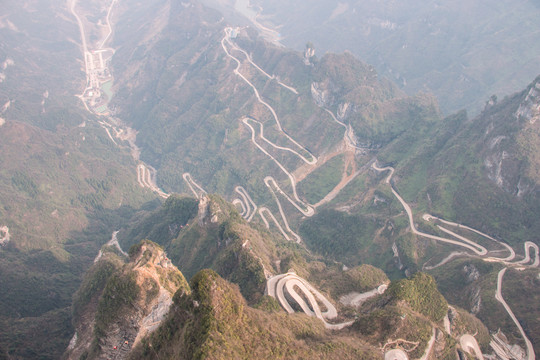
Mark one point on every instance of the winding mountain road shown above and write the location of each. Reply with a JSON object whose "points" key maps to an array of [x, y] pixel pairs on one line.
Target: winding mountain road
{"points": [[193, 185], [247, 203], [108, 20], [113, 242], [469, 344], [498, 295], [395, 354], [263, 210], [356, 299], [227, 39], [479, 250], [511, 256], [269, 181], [294, 284], [146, 177]]}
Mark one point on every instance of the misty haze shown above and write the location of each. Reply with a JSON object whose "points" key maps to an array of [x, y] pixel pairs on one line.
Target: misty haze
{"points": [[254, 179]]}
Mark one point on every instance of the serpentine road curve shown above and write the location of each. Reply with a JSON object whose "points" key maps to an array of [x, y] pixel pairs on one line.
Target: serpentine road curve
{"points": [[193, 185], [276, 285], [476, 249], [396, 354], [428, 217], [528, 245], [499, 297], [227, 39], [469, 344]]}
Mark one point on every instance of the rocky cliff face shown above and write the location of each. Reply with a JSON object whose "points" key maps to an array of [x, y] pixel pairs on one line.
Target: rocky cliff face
{"points": [[134, 301], [512, 140], [529, 109]]}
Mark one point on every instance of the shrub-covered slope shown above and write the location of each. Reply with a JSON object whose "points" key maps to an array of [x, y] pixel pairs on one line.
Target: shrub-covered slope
{"points": [[119, 303]]}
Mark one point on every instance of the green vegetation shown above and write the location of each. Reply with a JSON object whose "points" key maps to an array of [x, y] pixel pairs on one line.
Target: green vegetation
{"points": [[319, 183], [94, 282], [338, 235], [520, 290], [164, 224], [392, 322], [421, 294], [453, 279], [229, 246], [466, 323], [268, 303], [65, 186], [339, 282], [119, 295], [24, 183], [213, 322], [107, 89]]}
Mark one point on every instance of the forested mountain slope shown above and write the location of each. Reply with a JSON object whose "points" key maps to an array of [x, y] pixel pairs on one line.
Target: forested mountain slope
{"points": [[462, 52]]}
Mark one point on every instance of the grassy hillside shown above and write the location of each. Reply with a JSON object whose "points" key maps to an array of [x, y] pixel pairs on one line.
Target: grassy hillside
{"points": [[64, 186], [215, 322], [116, 297]]}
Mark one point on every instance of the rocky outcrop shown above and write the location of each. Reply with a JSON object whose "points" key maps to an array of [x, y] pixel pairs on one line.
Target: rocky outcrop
{"points": [[309, 52], [133, 303], [529, 108], [510, 139], [471, 276], [322, 94], [503, 167], [208, 211], [4, 235]]}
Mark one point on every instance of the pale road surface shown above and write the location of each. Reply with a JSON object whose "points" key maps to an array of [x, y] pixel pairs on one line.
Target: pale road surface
{"points": [[499, 297], [348, 135], [108, 25], [430, 345], [257, 95], [446, 323], [289, 175], [270, 182], [452, 255], [262, 210], [475, 247], [244, 202], [396, 354], [112, 242], [530, 245], [261, 135], [290, 281], [470, 345], [146, 178], [272, 77], [248, 201], [282, 213], [192, 185], [428, 217], [104, 126], [238, 201], [307, 211], [498, 294], [411, 220], [481, 250], [84, 46], [355, 299]]}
